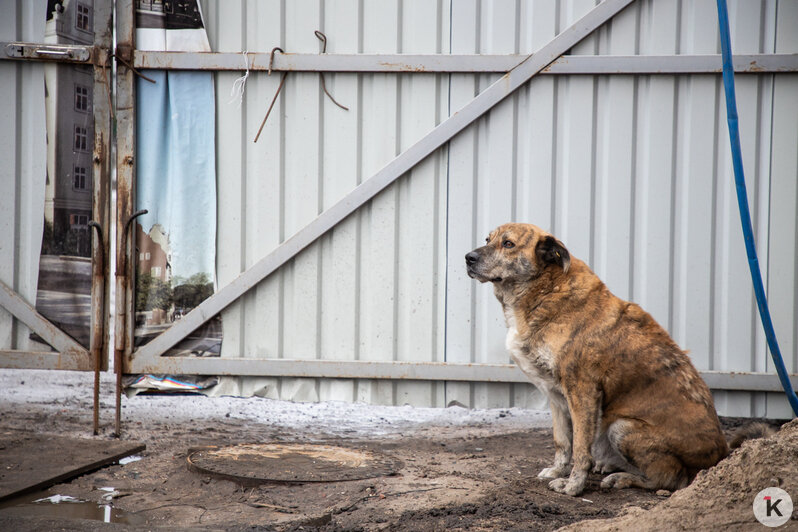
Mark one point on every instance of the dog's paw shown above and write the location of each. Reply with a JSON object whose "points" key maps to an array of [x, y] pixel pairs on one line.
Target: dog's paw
{"points": [[567, 486], [553, 472], [604, 467], [617, 481]]}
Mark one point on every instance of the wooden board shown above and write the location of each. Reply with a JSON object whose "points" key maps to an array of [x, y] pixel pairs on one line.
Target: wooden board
{"points": [[31, 462]]}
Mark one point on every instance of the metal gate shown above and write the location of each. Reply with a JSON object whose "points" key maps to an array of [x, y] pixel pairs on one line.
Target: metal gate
{"points": [[23, 178], [340, 262], [341, 235]]}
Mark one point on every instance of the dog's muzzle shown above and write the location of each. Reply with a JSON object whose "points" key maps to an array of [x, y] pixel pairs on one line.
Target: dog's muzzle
{"points": [[472, 262], [472, 258]]}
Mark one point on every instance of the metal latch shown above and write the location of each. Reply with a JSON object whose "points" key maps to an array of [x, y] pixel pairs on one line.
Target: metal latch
{"points": [[72, 53]]}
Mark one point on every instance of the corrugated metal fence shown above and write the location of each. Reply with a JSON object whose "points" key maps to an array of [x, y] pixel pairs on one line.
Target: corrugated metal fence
{"points": [[23, 168], [634, 174], [631, 171], [374, 288], [627, 161]]}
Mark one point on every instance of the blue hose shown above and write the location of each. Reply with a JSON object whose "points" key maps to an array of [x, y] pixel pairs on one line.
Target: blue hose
{"points": [[742, 200]]}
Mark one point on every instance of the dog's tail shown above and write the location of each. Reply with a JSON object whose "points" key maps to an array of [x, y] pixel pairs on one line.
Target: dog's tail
{"points": [[750, 432]]}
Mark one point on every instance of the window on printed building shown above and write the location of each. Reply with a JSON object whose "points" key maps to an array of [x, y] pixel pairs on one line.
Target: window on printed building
{"points": [[81, 138], [80, 178], [155, 271], [151, 5], [78, 220], [81, 98], [83, 17]]}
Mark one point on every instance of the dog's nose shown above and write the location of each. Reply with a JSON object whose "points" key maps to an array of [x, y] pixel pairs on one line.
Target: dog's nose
{"points": [[471, 257]]}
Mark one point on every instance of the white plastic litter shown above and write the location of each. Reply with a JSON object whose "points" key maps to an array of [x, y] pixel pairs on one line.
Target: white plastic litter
{"points": [[58, 499], [110, 493]]}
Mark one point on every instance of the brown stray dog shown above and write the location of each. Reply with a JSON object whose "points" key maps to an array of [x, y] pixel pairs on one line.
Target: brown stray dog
{"points": [[623, 396]]}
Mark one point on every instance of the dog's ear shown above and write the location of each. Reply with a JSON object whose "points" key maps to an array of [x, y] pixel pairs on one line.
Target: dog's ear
{"points": [[551, 251]]}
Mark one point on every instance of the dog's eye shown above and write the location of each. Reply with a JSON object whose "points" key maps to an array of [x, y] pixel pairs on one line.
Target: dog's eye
{"points": [[507, 244], [487, 239]]}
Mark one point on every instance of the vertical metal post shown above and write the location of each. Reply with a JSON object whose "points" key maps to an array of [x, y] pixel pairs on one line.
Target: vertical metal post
{"points": [[125, 191], [101, 176]]}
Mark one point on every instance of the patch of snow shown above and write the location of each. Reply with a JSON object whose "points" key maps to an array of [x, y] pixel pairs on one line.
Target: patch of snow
{"points": [[65, 390]]}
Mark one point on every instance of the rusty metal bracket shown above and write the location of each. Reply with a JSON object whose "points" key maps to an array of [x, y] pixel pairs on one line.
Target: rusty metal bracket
{"points": [[49, 52]]}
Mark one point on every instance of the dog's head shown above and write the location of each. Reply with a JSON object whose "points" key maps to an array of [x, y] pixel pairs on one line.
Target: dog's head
{"points": [[516, 253]]}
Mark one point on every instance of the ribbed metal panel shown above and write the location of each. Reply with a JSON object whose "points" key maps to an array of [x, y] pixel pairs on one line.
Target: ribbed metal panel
{"points": [[632, 172], [372, 289], [782, 163], [22, 166]]}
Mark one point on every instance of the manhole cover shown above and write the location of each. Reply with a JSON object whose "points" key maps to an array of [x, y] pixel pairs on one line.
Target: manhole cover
{"points": [[256, 463]]}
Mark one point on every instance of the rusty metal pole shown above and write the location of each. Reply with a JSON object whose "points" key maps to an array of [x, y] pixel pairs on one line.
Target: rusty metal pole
{"points": [[101, 189], [125, 192], [97, 304]]}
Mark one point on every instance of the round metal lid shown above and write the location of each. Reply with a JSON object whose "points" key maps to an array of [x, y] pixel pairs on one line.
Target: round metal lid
{"points": [[256, 463]]}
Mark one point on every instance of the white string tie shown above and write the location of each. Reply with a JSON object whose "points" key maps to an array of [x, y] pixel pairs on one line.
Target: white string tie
{"points": [[237, 90]]}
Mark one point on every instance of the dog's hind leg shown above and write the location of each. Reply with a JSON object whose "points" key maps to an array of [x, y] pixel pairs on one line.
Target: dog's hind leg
{"points": [[607, 458], [653, 466], [666, 472], [623, 480]]}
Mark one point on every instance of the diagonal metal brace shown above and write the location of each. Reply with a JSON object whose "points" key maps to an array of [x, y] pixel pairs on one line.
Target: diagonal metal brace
{"points": [[369, 188], [24, 312]]}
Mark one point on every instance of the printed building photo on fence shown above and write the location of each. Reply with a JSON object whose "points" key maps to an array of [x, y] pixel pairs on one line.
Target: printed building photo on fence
{"points": [[64, 286], [176, 184]]}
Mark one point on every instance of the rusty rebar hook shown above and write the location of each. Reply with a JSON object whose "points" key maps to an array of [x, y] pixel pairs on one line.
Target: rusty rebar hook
{"points": [[121, 273], [271, 57], [136, 72], [323, 39], [276, 94]]}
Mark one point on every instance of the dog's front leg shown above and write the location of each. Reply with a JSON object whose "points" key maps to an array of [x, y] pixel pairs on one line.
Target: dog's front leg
{"points": [[583, 405], [563, 435]]}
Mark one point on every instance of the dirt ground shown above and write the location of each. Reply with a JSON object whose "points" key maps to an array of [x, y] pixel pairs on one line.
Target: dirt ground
{"points": [[462, 472]]}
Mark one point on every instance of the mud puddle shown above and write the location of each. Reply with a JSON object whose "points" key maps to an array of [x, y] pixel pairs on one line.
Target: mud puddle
{"points": [[44, 504]]}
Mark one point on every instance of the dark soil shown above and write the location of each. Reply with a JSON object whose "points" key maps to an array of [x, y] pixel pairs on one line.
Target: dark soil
{"points": [[453, 478]]}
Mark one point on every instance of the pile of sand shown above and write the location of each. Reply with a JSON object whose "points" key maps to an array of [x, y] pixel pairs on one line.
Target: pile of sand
{"points": [[721, 498]]}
